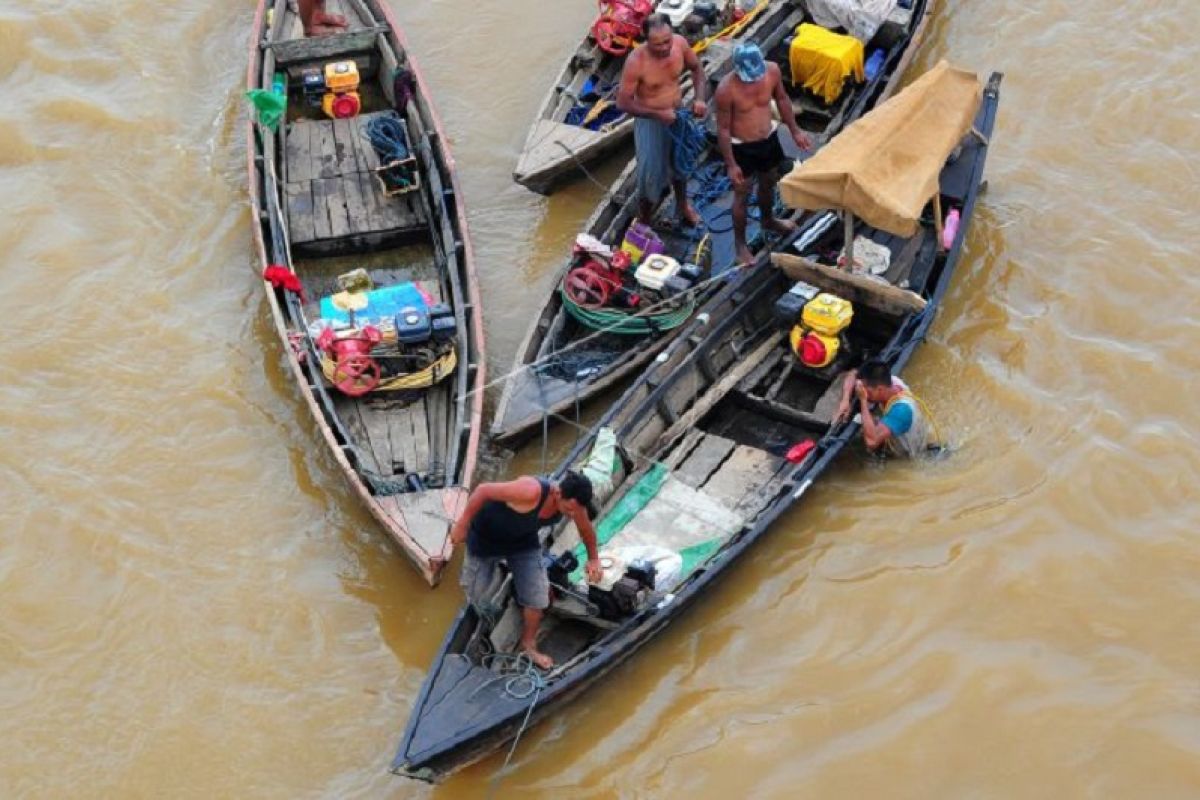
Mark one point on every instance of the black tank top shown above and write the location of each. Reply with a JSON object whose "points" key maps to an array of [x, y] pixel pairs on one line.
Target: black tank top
{"points": [[498, 531]]}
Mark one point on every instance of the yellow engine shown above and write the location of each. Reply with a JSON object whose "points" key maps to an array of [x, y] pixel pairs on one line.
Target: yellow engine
{"points": [[816, 339], [341, 101]]}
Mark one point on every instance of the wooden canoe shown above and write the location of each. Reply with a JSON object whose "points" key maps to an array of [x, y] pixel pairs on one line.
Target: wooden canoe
{"points": [[701, 475], [578, 122], [407, 447], [550, 375]]}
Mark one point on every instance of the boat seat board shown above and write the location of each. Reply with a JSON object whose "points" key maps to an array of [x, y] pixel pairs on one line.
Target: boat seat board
{"points": [[292, 29], [331, 192]]}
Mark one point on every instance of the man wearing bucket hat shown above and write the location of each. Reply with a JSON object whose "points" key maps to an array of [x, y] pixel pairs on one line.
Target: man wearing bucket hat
{"points": [[501, 523], [748, 139]]}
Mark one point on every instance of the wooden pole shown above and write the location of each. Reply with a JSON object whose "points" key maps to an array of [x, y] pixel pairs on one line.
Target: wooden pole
{"points": [[848, 219], [937, 217]]}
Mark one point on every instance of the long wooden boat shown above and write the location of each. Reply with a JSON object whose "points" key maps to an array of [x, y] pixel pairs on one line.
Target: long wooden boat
{"points": [[379, 263], [564, 360], [714, 441], [579, 123]]}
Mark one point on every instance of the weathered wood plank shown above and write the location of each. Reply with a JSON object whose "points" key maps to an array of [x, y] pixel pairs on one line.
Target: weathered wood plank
{"points": [[345, 147], [736, 484], [335, 201], [300, 212], [312, 49], [320, 206], [369, 191], [299, 159], [400, 431], [352, 420], [427, 519], [376, 424], [711, 397], [880, 296], [684, 449], [704, 460], [324, 152], [419, 418], [356, 209]]}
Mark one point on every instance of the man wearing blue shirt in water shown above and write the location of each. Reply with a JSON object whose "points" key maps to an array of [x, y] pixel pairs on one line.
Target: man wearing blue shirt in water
{"points": [[901, 429]]}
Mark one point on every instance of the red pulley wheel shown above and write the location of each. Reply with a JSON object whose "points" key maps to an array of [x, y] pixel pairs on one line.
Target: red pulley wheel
{"points": [[586, 289], [356, 375]]}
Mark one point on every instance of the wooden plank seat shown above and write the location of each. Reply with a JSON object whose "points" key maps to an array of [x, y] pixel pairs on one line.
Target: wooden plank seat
{"points": [[335, 204]]}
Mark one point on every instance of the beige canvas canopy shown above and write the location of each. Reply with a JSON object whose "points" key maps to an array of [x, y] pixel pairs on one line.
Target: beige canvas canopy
{"points": [[884, 167]]}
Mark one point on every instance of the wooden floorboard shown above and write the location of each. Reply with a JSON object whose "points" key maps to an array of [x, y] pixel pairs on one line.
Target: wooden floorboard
{"points": [[332, 193], [378, 435], [704, 460], [736, 484]]}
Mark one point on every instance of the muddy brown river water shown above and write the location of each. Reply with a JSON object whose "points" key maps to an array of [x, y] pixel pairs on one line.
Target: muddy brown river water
{"points": [[192, 604]]}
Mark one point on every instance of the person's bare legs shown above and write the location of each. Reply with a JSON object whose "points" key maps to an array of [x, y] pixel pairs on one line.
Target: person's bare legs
{"points": [[738, 210], [687, 214], [316, 22], [766, 204], [645, 211], [533, 619]]}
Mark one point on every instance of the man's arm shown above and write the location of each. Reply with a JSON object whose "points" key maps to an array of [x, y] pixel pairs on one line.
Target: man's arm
{"points": [[843, 409], [724, 99], [783, 104], [587, 533], [627, 99], [699, 83], [875, 433], [520, 491]]}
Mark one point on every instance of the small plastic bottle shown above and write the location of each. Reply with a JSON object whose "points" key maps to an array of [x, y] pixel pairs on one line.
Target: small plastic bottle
{"points": [[950, 230], [874, 64]]}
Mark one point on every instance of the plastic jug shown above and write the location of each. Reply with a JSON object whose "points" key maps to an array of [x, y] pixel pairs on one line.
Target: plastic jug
{"points": [[950, 230]]}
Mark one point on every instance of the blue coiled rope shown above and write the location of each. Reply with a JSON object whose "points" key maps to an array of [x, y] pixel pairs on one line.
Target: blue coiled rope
{"points": [[389, 138], [690, 141]]}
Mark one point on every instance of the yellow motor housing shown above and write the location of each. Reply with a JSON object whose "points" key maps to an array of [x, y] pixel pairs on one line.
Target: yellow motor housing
{"points": [[341, 76], [827, 314]]}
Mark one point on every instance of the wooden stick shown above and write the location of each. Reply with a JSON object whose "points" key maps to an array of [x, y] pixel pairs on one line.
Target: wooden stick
{"points": [[848, 219], [882, 297]]}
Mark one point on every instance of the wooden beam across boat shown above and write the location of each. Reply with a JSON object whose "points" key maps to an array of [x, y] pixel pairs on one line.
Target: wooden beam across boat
{"points": [[879, 295]]}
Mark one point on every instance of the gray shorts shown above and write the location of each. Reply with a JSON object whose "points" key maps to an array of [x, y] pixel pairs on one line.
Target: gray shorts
{"points": [[480, 578]]}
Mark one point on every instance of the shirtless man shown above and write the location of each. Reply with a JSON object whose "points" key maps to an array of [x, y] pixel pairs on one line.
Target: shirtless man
{"points": [[650, 91], [748, 139], [316, 22]]}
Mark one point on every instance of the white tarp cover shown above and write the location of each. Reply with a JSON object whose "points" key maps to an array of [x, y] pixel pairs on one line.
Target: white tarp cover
{"points": [[884, 167], [860, 18]]}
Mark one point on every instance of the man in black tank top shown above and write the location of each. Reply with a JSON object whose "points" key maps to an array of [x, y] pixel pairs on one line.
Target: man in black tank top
{"points": [[501, 523]]}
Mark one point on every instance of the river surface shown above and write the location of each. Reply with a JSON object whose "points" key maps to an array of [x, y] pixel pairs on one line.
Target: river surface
{"points": [[192, 604]]}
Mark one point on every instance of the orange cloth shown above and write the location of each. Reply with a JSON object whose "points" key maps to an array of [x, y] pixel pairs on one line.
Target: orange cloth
{"points": [[821, 60]]}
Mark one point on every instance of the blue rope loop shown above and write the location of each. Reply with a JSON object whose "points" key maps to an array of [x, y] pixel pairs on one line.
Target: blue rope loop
{"points": [[389, 138], [690, 142]]}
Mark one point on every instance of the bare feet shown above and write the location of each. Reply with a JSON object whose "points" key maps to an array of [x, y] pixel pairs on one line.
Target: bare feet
{"points": [[328, 20], [780, 226], [689, 216], [539, 659], [745, 258]]}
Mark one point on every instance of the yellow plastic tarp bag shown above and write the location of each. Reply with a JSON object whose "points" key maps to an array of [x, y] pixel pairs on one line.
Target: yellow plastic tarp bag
{"points": [[821, 60]]}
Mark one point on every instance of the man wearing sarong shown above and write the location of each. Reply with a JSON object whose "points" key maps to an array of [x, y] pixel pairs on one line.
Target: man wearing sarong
{"points": [[650, 92], [748, 138]]}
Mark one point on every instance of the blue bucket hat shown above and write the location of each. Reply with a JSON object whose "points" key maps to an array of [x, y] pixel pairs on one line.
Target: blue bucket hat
{"points": [[748, 62]]}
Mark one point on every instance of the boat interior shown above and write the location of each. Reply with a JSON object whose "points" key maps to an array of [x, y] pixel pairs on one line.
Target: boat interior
{"points": [[723, 423], [604, 317], [373, 238]]}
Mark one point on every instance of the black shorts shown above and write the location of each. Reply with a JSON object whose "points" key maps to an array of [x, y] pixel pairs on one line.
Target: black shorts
{"points": [[765, 155]]}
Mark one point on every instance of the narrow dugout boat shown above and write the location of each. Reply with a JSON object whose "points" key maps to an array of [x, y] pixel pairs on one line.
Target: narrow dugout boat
{"points": [[726, 431], [580, 345], [367, 264], [579, 122]]}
